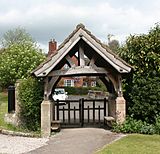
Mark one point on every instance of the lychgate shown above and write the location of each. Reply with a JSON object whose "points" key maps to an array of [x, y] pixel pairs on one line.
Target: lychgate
{"points": [[103, 63]]}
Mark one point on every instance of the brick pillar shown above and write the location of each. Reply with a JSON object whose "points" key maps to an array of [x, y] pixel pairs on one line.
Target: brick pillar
{"points": [[46, 118], [120, 109]]}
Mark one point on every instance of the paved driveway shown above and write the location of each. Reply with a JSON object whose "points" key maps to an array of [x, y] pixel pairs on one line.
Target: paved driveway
{"points": [[78, 141]]}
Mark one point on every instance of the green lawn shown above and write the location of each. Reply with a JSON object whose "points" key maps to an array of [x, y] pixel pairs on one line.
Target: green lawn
{"points": [[134, 144], [3, 108]]}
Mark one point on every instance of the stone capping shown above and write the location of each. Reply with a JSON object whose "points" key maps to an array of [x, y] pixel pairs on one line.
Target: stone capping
{"points": [[109, 118], [14, 133]]}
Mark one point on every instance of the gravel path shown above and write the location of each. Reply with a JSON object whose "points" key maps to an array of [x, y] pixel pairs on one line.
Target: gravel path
{"points": [[68, 141], [16, 145], [78, 141]]}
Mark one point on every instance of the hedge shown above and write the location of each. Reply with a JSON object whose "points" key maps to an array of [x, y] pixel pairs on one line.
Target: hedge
{"points": [[30, 97]]}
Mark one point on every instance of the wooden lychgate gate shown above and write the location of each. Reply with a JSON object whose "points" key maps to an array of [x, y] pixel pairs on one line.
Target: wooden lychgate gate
{"points": [[82, 112]]}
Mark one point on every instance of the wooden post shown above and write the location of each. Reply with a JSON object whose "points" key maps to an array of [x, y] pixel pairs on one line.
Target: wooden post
{"points": [[99, 114], [46, 89], [69, 116], [88, 114], [120, 93], [81, 56], [104, 107], [93, 111], [74, 110], [82, 110], [63, 115], [57, 109]]}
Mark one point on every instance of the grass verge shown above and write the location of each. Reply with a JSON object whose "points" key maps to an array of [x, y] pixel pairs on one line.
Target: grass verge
{"points": [[3, 108], [134, 144]]}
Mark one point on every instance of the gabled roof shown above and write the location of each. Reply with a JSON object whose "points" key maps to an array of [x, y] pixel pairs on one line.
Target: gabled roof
{"points": [[81, 33]]}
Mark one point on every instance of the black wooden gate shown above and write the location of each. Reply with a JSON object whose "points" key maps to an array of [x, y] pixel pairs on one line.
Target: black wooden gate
{"points": [[82, 112]]}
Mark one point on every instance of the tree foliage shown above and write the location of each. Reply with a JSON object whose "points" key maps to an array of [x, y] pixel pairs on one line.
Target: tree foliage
{"points": [[16, 36], [18, 60], [143, 90], [114, 45]]}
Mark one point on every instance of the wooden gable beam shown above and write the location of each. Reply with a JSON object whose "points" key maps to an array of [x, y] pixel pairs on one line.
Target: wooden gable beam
{"points": [[81, 55], [51, 84], [92, 61], [48, 85], [70, 61], [79, 70], [108, 84]]}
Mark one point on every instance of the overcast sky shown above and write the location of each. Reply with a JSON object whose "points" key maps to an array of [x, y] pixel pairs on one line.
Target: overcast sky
{"points": [[46, 19]]}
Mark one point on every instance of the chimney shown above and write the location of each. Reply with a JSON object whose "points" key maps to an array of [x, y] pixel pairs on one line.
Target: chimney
{"points": [[52, 47]]}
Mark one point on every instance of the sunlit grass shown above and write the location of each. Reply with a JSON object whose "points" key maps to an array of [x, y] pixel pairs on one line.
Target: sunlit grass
{"points": [[3, 108], [134, 144]]}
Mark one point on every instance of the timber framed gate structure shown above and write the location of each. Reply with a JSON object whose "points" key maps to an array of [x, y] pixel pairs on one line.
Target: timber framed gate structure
{"points": [[101, 62], [82, 112]]}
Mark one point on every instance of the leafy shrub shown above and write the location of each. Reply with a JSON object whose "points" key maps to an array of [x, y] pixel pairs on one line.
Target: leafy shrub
{"points": [[30, 97], [134, 126], [129, 126], [147, 129], [145, 95], [142, 87], [157, 125]]}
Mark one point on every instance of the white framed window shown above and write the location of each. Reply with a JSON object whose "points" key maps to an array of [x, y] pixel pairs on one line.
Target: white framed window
{"points": [[93, 84], [68, 83]]}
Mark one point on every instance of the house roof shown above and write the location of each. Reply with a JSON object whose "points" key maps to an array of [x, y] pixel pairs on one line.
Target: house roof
{"points": [[81, 33]]}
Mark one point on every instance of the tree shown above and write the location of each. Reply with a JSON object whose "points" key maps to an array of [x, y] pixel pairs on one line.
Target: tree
{"points": [[142, 88], [17, 35], [114, 45], [18, 60]]}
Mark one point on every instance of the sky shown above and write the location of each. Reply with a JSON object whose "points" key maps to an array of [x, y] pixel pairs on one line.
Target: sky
{"points": [[56, 19]]}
